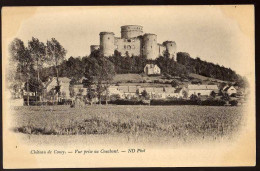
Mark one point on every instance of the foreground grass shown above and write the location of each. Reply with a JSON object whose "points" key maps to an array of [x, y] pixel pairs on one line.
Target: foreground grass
{"points": [[180, 122]]}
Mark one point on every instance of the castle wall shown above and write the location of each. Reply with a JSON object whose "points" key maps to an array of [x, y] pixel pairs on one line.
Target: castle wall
{"points": [[150, 47], [131, 31], [132, 46], [107, 46], [161, 49]]}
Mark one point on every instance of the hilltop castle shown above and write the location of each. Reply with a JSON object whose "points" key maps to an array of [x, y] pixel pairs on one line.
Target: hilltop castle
{"points": [[134, 42]]}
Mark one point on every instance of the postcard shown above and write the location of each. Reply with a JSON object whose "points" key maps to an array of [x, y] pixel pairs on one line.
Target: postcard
{"points": [[128, 86]]}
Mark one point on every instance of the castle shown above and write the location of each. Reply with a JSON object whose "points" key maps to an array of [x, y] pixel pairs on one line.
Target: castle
{"points": [[134, 42]]}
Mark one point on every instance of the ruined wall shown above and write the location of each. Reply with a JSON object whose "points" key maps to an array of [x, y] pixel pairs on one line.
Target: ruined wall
{"points": [[132, 46], [107, 46], [131, 31]]}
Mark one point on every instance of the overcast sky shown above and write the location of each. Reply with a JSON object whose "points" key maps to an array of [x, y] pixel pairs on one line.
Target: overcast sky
{"points": [[202, 31]]}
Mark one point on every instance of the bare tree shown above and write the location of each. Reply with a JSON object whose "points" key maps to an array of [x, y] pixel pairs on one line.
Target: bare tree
{"points": [[56, 54], [38, 51]]}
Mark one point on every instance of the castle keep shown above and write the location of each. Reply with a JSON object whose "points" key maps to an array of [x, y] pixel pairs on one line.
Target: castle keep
{"points": [[134, 42]]}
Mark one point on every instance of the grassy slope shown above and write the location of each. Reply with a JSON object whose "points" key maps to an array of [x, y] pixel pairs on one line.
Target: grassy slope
{"points": [[137, 79]]}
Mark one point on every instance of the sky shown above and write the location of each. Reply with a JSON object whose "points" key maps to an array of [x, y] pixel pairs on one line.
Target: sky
{"points": [[213, 33]]}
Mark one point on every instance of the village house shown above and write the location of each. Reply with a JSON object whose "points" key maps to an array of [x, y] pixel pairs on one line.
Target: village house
{"points": [[128, 91], [152, 69], [202, 90], [64, 86], [114, 90], [79, 89], [229, 90], [169, 92]]}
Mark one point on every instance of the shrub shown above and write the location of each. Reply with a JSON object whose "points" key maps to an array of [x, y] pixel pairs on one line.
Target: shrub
{"points": [[233, 102], [210, 102]]}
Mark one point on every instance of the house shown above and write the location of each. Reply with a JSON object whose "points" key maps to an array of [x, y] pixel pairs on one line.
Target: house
{"points": [[128, 91], [79, 89], [64, 86], [229, 90], [114, 90], [169, 92], [179, 92], [152, 69], [159, 93], [202, 90]]}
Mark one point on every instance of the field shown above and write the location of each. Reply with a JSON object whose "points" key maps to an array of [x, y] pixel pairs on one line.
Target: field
{"points": [[131, 123]]}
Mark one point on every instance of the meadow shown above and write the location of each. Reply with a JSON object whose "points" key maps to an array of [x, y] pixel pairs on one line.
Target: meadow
{"points": [[160, 123]]}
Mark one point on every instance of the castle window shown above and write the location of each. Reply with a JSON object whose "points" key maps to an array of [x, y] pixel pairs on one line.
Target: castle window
{"points": [[108, 38], [129, 40], [151, 46], [125, 46]]}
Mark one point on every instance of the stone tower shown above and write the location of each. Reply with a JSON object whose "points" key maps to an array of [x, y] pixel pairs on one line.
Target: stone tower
{"points": [[131, 31], [107, 46], [150, 49], [171, 48]]}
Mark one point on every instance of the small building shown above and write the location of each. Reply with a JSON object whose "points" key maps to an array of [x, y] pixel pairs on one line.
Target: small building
{"points": [[229, 90], [179, 92], [129, 91], [152, 69], [202, 90], [79, 89], [114, 90], [64, 83], [169, 92]]}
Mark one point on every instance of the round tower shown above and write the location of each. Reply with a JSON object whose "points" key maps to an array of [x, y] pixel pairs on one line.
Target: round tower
{"points": [[131, 31], [150, 50], [171, 48], [107, 46], [94, 47]]}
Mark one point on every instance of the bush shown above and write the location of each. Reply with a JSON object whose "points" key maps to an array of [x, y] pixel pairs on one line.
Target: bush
{"points": [[126, 102], [233, 95], [173, 102], [233, 102], [210, 102], [114, 97]]}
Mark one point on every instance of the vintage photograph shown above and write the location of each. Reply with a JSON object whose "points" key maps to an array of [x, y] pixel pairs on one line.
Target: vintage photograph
{"points": [[155, 85]]}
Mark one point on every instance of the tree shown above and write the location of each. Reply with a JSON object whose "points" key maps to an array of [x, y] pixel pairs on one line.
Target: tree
{"points": [[91, 94], [185, 94], [174, 83], [56, 54], [213, 94], [145, 95], [21, 56], [37, 51], [100, 71]]}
